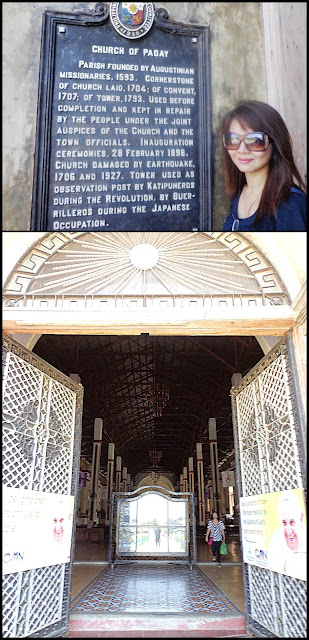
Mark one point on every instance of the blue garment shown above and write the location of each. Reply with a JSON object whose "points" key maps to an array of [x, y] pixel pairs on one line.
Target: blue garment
{"points": [[290, 216]]}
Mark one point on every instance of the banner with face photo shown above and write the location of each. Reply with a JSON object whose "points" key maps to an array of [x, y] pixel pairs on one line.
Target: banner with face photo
{"points": [[273, 529], [37, 529]]}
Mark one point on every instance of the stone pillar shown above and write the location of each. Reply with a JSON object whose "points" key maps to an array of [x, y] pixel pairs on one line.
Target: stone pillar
{"points": [[222, 492], [181, 483], [191, 475], [82, 496], [110, 474], [95, 468], [207, 499], [128, 487], [75, 377], [185, 479], [124, 479], [118, 474], [200, 484], [235, 380], [99, 500], [214, 465]]}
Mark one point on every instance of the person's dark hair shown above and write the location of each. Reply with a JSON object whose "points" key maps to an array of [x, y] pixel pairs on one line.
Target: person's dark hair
{"points": [[282, 170]]}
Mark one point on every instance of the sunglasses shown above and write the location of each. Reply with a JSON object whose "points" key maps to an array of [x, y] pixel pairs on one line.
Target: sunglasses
{"points": [[255, 141]]}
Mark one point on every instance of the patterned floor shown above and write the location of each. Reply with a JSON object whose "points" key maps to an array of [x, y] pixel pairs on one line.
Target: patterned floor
{"points": [[152, 589]]}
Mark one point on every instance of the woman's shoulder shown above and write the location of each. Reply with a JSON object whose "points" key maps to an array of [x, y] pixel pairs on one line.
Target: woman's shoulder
{"points": [[292, 215], [296, 189], [232, 215], [297, 198], [228, 222]]}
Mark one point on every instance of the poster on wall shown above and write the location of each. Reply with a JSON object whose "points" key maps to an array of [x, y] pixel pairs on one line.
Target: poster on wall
{"points": [[273, 527], [37, 529], [228, 479], [82, 482]]}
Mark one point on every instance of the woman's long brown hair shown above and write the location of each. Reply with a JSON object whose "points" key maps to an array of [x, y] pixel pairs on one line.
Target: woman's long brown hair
{"points": [[282, 170]]}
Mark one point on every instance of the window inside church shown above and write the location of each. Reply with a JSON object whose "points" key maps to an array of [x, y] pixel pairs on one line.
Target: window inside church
{"points": [[152, 524]]}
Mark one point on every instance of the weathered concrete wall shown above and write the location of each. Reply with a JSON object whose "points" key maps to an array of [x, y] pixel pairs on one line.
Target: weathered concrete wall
{"points": [[237, 72], [285, 30]]}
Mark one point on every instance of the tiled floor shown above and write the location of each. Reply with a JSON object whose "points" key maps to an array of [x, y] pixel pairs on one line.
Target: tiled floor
{"points": [[137, 588], [228, 579], [124, 631], [221, 594]]}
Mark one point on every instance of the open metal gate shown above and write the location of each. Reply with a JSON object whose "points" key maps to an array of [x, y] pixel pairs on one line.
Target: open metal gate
{"points": [[270, 453], [42, 423]]}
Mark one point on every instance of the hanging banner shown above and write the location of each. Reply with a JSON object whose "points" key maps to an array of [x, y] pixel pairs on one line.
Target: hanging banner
{"points": [[228, 479], [82, 479], [104, 493], [273, 528], [37, 529]]}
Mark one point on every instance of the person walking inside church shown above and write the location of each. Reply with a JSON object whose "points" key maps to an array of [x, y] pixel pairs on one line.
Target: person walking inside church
{"points": [[215, 529]]}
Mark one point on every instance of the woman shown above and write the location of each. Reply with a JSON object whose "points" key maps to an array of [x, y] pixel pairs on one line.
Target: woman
{"points": [[215, 529], [260, 171]]}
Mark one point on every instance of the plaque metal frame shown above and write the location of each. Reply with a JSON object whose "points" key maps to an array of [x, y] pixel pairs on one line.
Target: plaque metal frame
{"points": [[52, 20]]}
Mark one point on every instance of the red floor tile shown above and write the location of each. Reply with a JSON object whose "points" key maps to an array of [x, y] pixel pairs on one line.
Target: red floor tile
{"points": [[165, 634], [122, 634], [84, 634], [213, 633]]}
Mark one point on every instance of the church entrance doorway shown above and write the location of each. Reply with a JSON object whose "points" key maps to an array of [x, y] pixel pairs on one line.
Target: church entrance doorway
{"points": [[189, 316]]}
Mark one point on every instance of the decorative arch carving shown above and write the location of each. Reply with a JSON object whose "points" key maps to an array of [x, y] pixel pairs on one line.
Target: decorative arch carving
{"points": [[220, 268]]}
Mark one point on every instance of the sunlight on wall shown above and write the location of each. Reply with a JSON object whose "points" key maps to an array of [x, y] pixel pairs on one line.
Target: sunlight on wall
{"points": [[161, 481]]}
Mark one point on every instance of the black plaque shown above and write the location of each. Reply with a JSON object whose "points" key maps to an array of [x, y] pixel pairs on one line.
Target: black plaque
{"points": [[123, 128]]}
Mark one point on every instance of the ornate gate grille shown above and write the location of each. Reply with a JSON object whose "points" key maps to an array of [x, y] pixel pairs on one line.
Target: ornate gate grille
{"points": [[270, 456], [40, 448]]}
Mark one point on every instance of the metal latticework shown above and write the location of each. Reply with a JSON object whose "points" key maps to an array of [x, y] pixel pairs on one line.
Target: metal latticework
{"points": [[262, 609], [120, 497], [294, 596], [270, 458], [40, 448]]}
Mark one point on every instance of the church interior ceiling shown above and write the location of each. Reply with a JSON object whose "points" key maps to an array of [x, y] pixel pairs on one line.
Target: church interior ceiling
{"points": [[120, 374]]}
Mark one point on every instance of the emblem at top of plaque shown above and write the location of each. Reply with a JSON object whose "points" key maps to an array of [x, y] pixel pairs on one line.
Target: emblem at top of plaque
{"points": [[131, 19]]}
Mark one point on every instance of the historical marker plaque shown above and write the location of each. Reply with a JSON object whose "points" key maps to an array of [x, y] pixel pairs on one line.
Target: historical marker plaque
{"points": [[123, 133]]}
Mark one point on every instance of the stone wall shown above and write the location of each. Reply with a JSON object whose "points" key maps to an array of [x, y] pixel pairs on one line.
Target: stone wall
{"points": [[237, 72], [285, 33]]}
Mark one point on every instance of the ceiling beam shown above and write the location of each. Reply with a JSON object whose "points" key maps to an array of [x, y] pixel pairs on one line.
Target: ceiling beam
{"points": [[273, 320]]}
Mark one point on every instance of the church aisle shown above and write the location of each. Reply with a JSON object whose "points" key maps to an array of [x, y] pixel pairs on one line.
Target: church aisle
{"points": [[140, 602]]}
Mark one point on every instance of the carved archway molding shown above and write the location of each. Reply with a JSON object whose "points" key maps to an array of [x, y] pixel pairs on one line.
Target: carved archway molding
{"points": [[164, 479], [210, 283]]}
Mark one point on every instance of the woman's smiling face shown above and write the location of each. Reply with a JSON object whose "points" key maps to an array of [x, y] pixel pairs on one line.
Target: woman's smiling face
{"points": [[245, 160]]}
